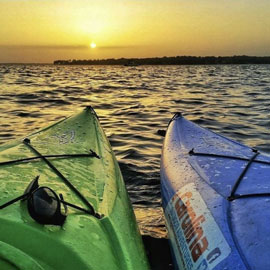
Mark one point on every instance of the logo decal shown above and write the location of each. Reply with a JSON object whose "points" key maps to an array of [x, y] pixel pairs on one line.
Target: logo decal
{"points": [[196, 238]]}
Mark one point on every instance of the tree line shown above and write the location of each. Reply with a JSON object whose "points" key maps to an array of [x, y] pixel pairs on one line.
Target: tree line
{"points": [[177, 60]]}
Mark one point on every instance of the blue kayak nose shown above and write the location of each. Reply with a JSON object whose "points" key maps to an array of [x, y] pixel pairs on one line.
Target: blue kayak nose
{"points": [[215, 195]]}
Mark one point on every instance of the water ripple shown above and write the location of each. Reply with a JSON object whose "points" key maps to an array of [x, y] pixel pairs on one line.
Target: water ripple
{"points": [[134, 104]]}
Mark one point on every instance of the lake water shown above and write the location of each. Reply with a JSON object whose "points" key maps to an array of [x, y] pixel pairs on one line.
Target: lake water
{"points": [[133, 103]]}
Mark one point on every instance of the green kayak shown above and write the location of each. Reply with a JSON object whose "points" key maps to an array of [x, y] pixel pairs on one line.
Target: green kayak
{"points": [[63, 202]]}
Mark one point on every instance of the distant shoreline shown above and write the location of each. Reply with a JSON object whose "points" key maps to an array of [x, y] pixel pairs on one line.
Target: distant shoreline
{"points": [[176, 60]]}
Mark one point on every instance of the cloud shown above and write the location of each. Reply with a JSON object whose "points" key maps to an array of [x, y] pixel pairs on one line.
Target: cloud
{"points": [[45, 47], [115, 47], [63, 47]]}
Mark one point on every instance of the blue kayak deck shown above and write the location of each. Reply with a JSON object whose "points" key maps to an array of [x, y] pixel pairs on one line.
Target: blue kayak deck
{"points": [[216, 197]]}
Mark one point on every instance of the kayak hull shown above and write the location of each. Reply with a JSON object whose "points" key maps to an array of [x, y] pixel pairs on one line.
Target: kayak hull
{"points": [[211, 194], [84, 241]]}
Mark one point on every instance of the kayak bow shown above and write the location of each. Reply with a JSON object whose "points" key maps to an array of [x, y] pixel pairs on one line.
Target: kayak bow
{"points": [[216, 195], [64, 204]]}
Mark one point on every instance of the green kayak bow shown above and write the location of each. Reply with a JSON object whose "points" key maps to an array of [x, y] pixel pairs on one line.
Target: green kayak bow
{"points": [[63, 202]]}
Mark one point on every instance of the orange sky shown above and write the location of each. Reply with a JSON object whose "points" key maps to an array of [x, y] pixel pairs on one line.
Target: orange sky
{"points": [[46, 30]]}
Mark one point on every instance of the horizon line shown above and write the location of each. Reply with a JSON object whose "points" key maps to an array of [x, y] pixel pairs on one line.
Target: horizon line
{"points": [[129, 58]]}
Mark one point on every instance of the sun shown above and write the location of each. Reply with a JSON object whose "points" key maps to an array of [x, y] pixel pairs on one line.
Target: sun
{"points": [[93, 45]]}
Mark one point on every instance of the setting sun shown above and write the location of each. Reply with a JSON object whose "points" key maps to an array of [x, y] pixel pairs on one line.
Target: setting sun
{"points": [[44, 31], [93, 45]]}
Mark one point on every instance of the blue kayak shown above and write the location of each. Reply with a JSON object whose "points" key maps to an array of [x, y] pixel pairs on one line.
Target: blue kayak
{"points": [[216, 199]]}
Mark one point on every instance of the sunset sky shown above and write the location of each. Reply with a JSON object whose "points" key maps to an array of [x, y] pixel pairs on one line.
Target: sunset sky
{"points": [[45, 30]]}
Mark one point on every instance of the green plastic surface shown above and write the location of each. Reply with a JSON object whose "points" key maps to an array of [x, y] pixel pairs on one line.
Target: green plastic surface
{"points": [[83, 242]]}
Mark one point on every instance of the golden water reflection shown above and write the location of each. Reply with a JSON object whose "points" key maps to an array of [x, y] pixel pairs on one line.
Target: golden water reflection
{"points": [[151, 221]]}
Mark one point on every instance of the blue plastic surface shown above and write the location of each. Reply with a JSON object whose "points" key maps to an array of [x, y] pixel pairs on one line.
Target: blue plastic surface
{"points": [[207, 231]]}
